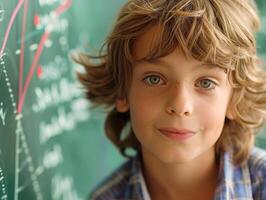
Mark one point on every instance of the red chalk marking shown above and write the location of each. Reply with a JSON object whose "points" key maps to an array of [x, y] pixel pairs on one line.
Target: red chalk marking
{"points": [[10, 24], [44, 38], [22, 47], [39, 71], [36, 20]]}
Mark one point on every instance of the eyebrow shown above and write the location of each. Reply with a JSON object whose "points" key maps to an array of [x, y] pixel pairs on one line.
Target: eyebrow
{"points": [[159, 62]]}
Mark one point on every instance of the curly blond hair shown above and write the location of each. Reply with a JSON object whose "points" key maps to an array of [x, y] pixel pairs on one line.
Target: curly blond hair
{"points": [[219, 32]]}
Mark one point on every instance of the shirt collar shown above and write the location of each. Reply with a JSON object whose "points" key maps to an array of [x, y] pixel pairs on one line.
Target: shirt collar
{"points": [[233, 181], [137, 187]]}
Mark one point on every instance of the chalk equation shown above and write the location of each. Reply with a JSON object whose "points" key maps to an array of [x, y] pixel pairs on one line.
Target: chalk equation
{"points": [[33, 87]]}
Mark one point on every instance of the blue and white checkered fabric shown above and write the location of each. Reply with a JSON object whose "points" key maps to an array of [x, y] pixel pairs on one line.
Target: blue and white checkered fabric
{"points": [[245, 182]]}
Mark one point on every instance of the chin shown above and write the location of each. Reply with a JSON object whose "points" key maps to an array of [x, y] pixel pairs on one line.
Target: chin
{"points": [[176, 158]]}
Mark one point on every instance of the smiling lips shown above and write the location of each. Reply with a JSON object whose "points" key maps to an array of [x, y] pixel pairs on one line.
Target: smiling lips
{"points": [[177, 134]]}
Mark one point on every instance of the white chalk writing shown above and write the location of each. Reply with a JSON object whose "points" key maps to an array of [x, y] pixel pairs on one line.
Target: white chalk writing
{"points": [[2, 113], [53, 23], [62, 188], [57, 93], [48, 2], [63, 121], [55, 69], [53, 158], [2, 14]]}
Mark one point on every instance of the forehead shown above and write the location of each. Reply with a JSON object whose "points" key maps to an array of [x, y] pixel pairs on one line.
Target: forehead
{"points": [[145, 42]]}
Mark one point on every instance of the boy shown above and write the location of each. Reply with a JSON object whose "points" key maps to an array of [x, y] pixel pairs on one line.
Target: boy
{"points": [[183, 75]]}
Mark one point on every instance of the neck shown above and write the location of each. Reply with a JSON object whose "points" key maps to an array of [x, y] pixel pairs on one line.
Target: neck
{"points": [[196, 179]]}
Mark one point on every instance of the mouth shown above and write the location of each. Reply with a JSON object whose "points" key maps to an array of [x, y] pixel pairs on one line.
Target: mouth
{"points": [[177, 131], [177, 134]]}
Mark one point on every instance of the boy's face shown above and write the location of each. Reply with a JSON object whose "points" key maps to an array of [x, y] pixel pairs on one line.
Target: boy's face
{"points": [[175, 93]]}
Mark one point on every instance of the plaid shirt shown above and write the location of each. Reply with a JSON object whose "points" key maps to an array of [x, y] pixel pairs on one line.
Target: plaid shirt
{"points": [[245, 182]]}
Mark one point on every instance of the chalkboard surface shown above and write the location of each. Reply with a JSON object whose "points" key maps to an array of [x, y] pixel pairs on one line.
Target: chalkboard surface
{"points": [[48, 137], [51, 145]]}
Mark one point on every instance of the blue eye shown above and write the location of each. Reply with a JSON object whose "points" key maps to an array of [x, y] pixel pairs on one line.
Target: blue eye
{"points": [[152, 80], [207, 84]]}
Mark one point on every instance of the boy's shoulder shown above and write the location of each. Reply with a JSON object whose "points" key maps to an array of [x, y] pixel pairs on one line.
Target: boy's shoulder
{"points": [[245, 181], [112, 186], [117, 184], [257, 161], [257, 171]]}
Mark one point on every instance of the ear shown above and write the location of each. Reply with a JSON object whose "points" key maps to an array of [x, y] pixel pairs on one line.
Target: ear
{"points": [[230, 116], [229, 113], [121, 105]]}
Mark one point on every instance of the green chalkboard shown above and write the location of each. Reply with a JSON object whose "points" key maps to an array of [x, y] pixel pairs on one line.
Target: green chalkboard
{"points": [[51, 145], [49, 140]]}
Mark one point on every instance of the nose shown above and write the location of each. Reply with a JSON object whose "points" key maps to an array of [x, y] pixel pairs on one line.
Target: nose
{"points": [[180, 101]]}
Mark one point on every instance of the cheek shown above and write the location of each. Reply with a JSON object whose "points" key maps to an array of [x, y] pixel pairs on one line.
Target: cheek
{"points": [[212, 115], [140, 100], [144, 108]]}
